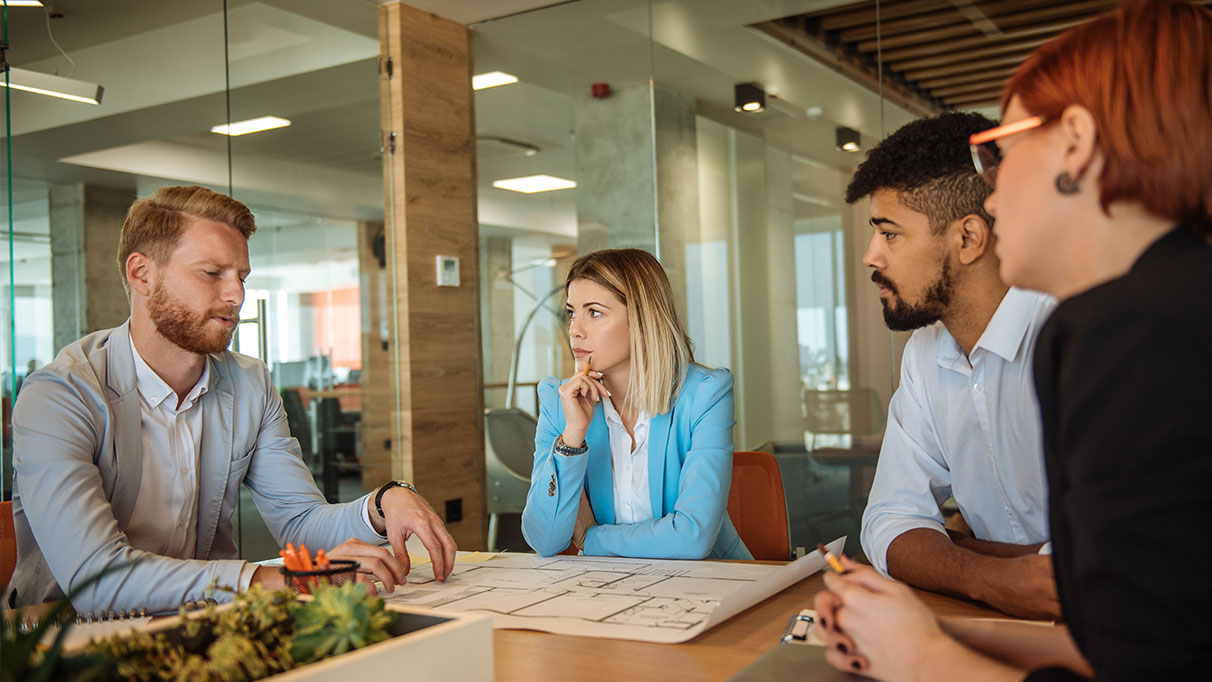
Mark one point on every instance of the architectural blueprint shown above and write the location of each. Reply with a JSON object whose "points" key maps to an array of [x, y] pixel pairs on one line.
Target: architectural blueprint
{"points": [[621, 598]]}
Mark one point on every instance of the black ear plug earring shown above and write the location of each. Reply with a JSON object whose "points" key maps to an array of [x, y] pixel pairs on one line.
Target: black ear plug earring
{"points": [[1066, 184]]}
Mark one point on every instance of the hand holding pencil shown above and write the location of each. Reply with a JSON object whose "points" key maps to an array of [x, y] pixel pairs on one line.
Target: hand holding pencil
{"points": [[870, 625], [580, 396]]}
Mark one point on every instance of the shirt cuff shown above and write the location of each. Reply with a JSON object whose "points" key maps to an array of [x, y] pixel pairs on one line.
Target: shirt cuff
{"points": [[246, 575], [366, 518]]}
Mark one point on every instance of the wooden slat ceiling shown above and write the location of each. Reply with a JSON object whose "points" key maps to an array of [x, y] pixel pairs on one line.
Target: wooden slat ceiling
{"points": [[937, 54]]}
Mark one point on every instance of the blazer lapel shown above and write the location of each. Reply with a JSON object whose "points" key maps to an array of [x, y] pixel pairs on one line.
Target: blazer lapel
{"points": [[214, 462], [658, 440], [600, 475], [128, 432]]}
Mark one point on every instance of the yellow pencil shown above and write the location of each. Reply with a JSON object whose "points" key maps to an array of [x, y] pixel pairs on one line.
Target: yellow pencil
{"points": [[833, 562], [586, 372]]}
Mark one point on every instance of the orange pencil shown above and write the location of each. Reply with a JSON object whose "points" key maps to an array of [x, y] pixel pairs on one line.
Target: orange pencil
{"points": [[586, 372], [833, 562]]}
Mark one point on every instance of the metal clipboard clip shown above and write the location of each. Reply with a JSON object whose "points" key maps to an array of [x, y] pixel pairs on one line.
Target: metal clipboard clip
{"points": [[798, 628]]}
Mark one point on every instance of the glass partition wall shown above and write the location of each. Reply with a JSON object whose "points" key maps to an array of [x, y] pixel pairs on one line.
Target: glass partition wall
{"points": [[631, 104], [637, 104], [171, 73]]}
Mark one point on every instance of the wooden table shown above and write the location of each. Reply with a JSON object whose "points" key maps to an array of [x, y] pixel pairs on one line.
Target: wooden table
{"points": [[714, 655]]}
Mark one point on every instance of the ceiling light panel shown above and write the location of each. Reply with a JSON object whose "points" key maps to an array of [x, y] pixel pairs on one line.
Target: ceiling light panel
{"points": [[534, 183], [252, 125], [492, 79], [55, 86]]}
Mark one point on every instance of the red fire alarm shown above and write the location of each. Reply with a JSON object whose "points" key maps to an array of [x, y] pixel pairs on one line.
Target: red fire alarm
{"points": [[600, 90]]}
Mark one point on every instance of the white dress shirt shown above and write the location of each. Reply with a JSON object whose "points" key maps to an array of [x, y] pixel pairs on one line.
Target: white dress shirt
{"points": [[968, 426], [165, 517], [632, 500]]}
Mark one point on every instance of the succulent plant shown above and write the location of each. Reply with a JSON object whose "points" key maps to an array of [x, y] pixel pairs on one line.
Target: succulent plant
{"points": [[337, 620], [262, 634]]}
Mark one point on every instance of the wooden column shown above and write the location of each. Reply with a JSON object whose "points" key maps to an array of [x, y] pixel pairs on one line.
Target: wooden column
{"points": [[430, 193]]}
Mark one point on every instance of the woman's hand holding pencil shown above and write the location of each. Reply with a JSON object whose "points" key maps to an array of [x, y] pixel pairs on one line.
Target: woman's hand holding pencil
{"points": [[869, 623], [579, 396]]}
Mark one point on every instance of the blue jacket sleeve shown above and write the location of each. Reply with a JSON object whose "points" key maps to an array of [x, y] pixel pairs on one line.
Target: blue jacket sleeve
{"points": [[690, 530], [556, 481]]}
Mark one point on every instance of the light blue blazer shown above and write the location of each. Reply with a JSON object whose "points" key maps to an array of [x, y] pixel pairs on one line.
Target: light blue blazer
{"points": [[78, 457], [689, 472]]}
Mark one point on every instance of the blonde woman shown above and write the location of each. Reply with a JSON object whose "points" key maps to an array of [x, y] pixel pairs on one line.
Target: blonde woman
{"points": [[633, 453]]}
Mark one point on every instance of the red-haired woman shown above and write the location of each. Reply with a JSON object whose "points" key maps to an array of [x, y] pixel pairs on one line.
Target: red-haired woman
{"points": [[1103, 197]]}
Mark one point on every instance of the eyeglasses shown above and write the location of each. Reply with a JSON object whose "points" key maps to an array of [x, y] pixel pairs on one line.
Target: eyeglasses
{"points": [[985, 154]]}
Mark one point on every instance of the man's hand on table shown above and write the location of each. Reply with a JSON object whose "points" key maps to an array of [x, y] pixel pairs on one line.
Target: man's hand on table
{"points": [[405, 513]]}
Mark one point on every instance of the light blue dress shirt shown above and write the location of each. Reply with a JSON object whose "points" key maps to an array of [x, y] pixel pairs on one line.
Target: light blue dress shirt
{"points": [[968, 426]]}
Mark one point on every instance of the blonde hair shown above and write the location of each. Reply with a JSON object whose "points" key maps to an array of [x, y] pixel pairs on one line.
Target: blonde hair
{"points": [[660, 348], [153, 225]]}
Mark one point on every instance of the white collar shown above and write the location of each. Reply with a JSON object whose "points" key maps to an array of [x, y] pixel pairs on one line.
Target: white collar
{"points": [[155, 390], [613, 418]]}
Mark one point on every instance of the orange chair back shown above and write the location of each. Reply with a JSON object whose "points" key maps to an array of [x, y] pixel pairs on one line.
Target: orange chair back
{"points": [[757, 506], [8, 543]]}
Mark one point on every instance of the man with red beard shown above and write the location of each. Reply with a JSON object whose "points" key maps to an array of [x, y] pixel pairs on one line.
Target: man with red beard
{"points": [[130, 448], [964, 420]]}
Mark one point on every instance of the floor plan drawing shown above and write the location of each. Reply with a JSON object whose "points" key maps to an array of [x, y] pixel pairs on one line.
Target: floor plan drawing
{"points": [[622, 598]]}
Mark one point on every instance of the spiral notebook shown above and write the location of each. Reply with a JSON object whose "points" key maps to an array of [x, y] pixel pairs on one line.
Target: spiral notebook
{"points": [[101, 624]]}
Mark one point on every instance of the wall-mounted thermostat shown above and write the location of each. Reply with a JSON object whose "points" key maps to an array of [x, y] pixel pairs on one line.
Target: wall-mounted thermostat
{"points": [[448, 271]]}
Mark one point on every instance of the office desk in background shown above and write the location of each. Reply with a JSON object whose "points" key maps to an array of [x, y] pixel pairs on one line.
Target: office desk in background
{"points": [[719, 653]]}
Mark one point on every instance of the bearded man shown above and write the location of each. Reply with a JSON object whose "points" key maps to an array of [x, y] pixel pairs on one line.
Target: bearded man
{"points": [[130, 448], [964, 420]]}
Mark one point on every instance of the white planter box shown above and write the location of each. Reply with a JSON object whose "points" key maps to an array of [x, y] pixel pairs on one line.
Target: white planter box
{"points": [[426, 646], [433, 647]]}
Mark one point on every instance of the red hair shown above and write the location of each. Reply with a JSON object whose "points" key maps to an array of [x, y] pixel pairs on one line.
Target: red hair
{"points": [[1144, 71]]}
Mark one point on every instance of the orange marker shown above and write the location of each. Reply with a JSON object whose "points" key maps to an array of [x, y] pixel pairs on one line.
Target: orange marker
{"points": [[833, 562]]}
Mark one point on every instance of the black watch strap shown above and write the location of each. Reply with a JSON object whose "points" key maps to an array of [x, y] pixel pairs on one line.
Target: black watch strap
{"points": [[388, 486]]}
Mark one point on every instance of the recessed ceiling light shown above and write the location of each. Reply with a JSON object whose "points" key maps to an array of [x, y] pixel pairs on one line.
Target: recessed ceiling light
{"points": [[24, 3], [492, 79], [534, 183], [252, 125]]}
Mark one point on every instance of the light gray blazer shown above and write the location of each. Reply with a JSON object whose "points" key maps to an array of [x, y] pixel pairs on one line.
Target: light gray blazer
{"points": [[78, 461]]}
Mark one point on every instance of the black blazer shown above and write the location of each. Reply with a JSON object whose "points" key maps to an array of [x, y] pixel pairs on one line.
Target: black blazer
{"points": [[1124, 376]]}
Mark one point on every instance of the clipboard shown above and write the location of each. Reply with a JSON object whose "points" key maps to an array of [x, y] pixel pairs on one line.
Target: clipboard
{"points": [[799, 655]]}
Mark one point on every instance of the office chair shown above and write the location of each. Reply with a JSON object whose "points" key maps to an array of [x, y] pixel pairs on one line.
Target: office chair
{"points": [[8, 544], [757, 506]]}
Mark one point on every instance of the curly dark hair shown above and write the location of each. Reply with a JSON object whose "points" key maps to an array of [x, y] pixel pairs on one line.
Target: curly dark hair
{"points": [[929, 163]]}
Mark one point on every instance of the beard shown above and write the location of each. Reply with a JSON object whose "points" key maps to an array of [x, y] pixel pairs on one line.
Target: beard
{"points": [[902, 317], [184, 327]]}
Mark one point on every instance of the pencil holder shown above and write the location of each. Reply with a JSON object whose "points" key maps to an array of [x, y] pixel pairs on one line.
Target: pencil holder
{"points": [[339, 572]]}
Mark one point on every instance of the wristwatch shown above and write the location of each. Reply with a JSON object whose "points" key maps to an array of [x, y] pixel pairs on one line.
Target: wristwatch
{"points": [[388, 486], [567, 450]]}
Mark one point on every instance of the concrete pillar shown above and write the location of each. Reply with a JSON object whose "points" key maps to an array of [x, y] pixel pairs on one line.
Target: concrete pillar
{"points": [[637, 175], [496, 316], [87, 290], [783, 338]]}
